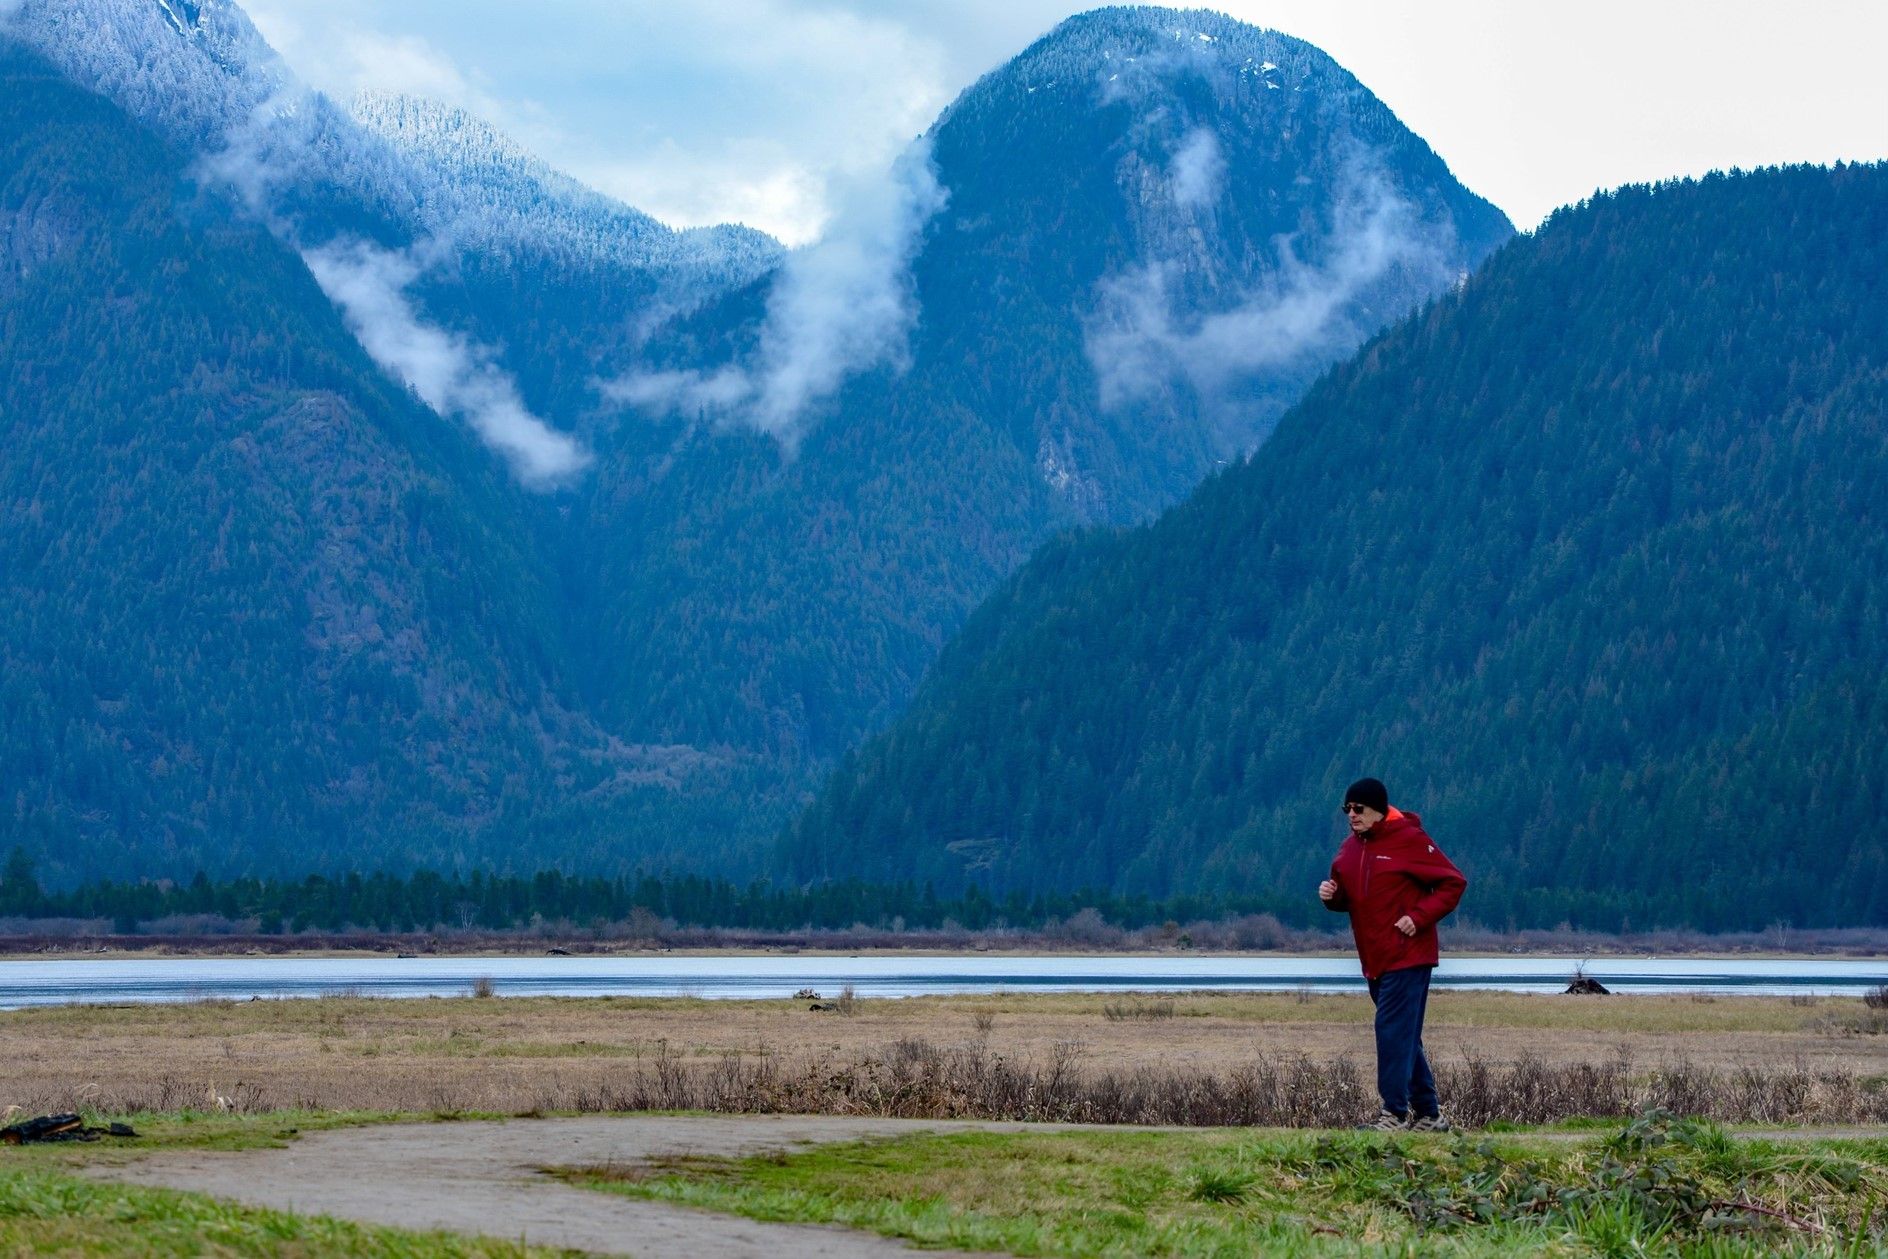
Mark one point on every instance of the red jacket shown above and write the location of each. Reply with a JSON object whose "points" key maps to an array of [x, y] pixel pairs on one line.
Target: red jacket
{"points": [[1393, 870]]}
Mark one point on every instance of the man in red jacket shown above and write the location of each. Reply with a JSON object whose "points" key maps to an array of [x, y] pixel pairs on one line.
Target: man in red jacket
{"points": [[1396, 885]]}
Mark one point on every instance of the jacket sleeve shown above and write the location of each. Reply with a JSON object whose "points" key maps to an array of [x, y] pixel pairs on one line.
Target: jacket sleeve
{"points": [[1445, 883], [1339, 904]]}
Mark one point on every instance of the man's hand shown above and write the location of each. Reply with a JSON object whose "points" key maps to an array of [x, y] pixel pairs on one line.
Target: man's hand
{"points": [[1406, 925], [1327, 890]]}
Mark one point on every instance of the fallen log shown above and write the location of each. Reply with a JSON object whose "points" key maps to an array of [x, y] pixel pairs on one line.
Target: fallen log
{"points": [[67, 1127]]}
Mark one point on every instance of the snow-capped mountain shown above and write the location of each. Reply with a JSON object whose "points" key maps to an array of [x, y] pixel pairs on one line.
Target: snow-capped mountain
{"points": [[1249, 212], [1103, 272], [482, 190], [1157, 229], [191, 70], [392, 169]]}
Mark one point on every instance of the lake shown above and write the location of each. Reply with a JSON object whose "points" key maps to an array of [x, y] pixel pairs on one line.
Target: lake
{"points": [[114, 979]]}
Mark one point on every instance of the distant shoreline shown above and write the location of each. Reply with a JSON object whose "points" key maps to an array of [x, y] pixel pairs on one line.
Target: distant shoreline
{"points": [[28, 948]]}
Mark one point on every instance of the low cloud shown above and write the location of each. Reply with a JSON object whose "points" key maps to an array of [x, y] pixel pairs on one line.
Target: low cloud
{"points": [[757, 183], [452, 374], [263, 153], [261, 159], [1141, 337], [751, 111], [1198, 169], [839, 306]]}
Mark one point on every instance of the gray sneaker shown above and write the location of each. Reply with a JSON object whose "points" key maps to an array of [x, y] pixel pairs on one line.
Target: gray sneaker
{"points": [[1386, 1121], [1430, 1123]]}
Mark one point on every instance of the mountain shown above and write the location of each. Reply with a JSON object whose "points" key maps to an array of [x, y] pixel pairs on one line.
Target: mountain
{"points": [[1583, 560], [495, 201], [637, 529], [260, 605], [1154, 229], [390, 168], [403, 205]]}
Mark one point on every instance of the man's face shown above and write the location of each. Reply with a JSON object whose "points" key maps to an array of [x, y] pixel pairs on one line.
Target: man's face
{"points": [[1362, 817]]}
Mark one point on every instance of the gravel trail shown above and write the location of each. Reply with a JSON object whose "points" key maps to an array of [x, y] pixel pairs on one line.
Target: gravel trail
{"points": [[484, 1178]]}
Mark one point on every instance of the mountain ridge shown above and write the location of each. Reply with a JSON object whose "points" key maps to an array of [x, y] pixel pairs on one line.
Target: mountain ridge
{"points": [[698, 617], [1569, 559]]}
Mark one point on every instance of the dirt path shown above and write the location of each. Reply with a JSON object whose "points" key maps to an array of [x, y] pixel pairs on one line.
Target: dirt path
{"points": [[484, 1178]]}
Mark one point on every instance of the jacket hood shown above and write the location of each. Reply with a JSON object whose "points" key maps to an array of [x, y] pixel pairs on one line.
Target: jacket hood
{"points": [[1394, 822]]}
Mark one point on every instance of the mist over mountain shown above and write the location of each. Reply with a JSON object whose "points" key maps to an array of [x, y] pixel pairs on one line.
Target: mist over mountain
{"points": [[718, 503], [1098, 312], [393, 170], [425, 225], [257, 599], [1583, 561]]}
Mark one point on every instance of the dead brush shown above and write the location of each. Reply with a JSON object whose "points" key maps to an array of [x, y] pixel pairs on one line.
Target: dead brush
{"points": [[1137, 1011], [1849, 1020], [921, 1078]]}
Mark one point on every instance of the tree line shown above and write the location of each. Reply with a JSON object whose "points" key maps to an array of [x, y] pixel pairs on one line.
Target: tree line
{"points": [[428, 900]]}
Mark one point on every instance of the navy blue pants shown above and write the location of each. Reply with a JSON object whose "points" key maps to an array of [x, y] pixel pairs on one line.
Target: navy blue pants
{"points": [[1403, 1077]]}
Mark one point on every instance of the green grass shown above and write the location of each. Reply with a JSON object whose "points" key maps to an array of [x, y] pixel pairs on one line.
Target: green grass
{"points": [[46, 1211], [1652, 1188]]}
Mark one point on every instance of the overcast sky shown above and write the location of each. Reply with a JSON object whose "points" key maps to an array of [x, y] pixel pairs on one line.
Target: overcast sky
{"points": [[754, 111]]}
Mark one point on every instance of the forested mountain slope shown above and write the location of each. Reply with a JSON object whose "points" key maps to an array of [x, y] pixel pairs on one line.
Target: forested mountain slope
{"points": [[752, 493], [1585, 561], [260, 606], [1156, 228]]}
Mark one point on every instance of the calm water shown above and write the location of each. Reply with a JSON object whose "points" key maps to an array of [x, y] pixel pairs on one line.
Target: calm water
{"points": [[115, 979]]}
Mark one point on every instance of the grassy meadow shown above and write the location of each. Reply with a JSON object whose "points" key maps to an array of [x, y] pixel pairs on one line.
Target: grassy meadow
{"points": [[1652, 1186], [1525, 1058], [1559, 1163]]}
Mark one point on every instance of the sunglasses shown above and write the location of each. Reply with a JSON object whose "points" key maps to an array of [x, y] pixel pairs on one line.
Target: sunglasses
{"points": [[1355, 808]]}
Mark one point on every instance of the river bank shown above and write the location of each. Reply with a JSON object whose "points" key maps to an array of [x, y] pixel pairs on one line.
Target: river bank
{"points": [[1198, 940]]}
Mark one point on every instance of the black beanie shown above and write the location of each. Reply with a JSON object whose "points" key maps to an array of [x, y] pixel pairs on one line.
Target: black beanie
{"points": [[1370, 793]]}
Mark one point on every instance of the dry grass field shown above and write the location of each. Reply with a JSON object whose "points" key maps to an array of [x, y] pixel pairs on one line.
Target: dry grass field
{"points": [[524, 1055]]}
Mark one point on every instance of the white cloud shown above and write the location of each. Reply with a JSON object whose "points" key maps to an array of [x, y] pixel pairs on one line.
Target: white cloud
{"points": [[261, 154], [1141, 337], [414, 64], [761, 185], [452, 374], [839, 306], [1197, 170], [753, 111], [342, 50]]}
